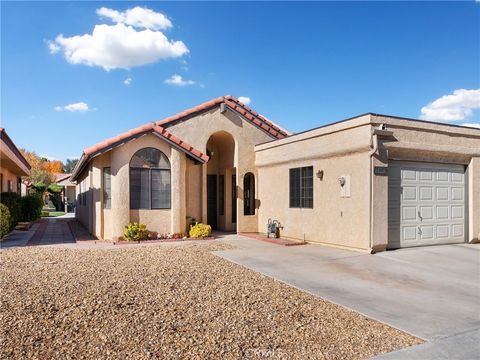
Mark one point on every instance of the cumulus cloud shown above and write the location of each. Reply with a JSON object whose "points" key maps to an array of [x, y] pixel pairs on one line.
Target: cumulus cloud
{"points": [[127, 81], [177, 80], [122, 45], [473, 125], [75, 107], [138, 17], [453, 107], [245, 99]]}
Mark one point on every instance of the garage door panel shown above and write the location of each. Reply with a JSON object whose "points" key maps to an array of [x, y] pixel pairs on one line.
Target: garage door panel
{"points": [[426, 193], [457, 194], [409, 174], [409, 193], [426, 204], [426, 212], [443, 231], [442, 193], [442, 212]]}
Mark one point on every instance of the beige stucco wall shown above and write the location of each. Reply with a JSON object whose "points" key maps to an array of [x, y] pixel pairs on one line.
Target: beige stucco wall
{"points": [[335, 220], [9, 175], [361, 221]]}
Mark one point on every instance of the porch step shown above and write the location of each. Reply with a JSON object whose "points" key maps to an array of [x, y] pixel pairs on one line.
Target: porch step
{"points": [[279, 241], [23, 225]]}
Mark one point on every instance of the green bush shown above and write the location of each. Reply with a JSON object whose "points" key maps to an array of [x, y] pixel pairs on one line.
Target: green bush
{"points": [[31, 207], [200, 230], [135, 232], [4, 220], [12, 201]]}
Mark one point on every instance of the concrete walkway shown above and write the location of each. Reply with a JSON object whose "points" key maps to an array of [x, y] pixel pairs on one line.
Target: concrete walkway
{"points": [[430, 292]]}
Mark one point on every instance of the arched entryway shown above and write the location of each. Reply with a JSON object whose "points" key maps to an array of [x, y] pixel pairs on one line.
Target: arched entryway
{"points": [[221, 182]]}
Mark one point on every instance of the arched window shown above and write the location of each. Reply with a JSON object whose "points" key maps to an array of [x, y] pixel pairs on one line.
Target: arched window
{"points": [[249, 194], [150, 181]]}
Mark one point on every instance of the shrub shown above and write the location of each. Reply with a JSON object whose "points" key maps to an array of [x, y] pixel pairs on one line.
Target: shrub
{"points": [[4, 220], [31, 207], [200, 230], [12, 201], [135, 231]]}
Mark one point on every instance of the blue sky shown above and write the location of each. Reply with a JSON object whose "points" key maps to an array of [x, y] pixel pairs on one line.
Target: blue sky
{"points": [[301, 64]]}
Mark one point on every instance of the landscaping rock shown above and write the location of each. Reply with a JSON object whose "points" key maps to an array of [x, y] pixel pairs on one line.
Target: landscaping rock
{"points": [[169, 301]]}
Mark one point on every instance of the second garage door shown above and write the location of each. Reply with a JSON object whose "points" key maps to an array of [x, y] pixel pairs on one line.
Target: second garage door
{"points": [[426, 204]]}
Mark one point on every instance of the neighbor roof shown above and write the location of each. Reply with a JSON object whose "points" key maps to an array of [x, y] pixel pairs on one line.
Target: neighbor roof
{"points": [[113, 142], [13, 153], [159, 129]]}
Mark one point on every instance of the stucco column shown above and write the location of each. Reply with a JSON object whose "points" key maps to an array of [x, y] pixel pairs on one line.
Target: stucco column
{"points": [[120, 211], [474, 200], [379, 199], [204, 194], [179, 204]]}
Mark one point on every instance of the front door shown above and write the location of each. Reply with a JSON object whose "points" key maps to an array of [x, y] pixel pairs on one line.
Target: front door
{"points": [[212, 200]]}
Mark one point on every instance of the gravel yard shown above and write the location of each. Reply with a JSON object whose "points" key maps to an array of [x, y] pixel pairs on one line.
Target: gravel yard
{"points": [[169, 301]]}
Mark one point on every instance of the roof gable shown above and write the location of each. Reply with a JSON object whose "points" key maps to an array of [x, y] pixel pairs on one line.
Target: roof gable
{"points": [[272, 129]]}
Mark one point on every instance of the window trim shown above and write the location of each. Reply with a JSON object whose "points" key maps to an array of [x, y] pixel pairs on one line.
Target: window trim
{"points": [[301, 188], [160, 169]]}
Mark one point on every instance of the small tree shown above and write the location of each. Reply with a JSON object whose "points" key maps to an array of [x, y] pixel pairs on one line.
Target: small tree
{"points": [[69, 165]]}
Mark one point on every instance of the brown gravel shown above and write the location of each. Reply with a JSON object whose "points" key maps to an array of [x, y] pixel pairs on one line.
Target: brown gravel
{"points": [[176, 301]]}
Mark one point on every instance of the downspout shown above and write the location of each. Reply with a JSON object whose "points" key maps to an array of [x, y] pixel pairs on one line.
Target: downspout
{"points": [[370, 154]]}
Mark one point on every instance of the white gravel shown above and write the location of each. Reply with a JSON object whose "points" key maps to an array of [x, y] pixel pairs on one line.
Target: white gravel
{"points": [[174, 301]]}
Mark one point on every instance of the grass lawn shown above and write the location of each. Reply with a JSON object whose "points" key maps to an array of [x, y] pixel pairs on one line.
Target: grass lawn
{"points": [[169, 301], [52, 213]]}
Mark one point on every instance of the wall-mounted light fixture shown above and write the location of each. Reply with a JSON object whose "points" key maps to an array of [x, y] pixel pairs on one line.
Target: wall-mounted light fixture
{"points": [[320, 174]]}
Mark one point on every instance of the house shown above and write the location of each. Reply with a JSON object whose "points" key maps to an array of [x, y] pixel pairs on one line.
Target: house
{"points": [[12, 165], [68, 194], [370, 182]]}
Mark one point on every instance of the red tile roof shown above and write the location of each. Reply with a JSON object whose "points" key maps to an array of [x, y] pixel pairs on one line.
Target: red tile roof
{"points": [[159, 128], [17, 158], [235, 105], [108, 144], [61, 176]]}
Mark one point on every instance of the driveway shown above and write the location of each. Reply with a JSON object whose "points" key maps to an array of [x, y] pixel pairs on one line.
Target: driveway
{"points": [[430, 292]]}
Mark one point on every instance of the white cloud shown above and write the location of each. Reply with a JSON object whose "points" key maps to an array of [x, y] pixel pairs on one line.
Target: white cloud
{"points": [[177, 80], [127, 81], [121, 46], [138, 17], [245, 99], [75, 107], [452, 107], [473, 125]]}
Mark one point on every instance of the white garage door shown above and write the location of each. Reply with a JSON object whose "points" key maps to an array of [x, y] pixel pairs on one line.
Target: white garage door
{"points": [[426, 204]]}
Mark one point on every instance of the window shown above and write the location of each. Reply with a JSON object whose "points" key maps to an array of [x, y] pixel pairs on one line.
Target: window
{"points": [[249, 194], [107, 188], [150, 180], [19, 185], [9, 185], [221, 194], [301, 187]]}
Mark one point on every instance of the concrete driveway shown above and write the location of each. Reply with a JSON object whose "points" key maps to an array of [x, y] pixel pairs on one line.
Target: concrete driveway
{"points": [[431, 292]]}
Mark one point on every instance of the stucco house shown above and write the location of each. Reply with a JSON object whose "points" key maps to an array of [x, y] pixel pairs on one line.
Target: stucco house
{"points": [[370, 182], [12, 165], [68, 194]]}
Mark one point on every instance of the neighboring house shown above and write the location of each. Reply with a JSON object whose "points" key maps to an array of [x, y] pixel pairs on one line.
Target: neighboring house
{"points": [[370, 182], [12, 165], [69, 191]]}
